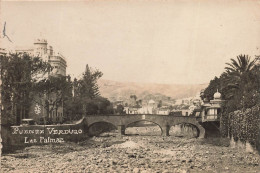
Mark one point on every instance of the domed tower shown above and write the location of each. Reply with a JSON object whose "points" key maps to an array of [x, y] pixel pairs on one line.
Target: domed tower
{"points": [[40, 47], [217, 96]]}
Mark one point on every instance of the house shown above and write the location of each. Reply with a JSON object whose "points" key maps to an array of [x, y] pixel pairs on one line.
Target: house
{"points": [[210, 110], [163, 111], [130, 110]]}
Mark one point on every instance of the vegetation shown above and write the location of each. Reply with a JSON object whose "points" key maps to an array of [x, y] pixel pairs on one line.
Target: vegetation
{"points": [[55, 91], [239, 86], [85, 99], [134, 102], [24, 78], [19, 74]]}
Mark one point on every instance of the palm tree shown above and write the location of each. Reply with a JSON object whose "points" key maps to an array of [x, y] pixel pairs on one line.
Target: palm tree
{"points": [[237, 74], [241, 66]]}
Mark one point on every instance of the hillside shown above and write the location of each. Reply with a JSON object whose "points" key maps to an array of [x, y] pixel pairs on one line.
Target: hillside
{"points": [[114, 90]]}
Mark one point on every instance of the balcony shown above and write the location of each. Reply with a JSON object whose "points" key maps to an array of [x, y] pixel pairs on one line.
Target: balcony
{"points": [[213, 117]]}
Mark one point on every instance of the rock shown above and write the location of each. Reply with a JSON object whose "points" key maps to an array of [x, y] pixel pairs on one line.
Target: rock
{"points": [[140, 156], [184, 171], [113, 162], [142, 163], [124, 166], [131, 156], [99, 160], [190, 156], [165, 160], [136, 170]]}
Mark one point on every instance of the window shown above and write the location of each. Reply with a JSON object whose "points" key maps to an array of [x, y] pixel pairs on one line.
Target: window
{"points": [[212, 111]]}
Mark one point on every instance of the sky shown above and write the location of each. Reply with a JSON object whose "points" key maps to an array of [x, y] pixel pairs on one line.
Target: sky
{"points": [[158, 41]]}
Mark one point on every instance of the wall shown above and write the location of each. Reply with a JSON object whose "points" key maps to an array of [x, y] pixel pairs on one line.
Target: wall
{"points": [[40, 134]]}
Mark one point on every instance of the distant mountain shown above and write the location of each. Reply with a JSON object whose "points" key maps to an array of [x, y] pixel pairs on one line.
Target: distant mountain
{"points": [[115, 91]]}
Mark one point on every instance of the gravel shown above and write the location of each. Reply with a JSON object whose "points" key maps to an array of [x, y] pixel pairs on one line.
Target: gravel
{"points": [[134, 153]]}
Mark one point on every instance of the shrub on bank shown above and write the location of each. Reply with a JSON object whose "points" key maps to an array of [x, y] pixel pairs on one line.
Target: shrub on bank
{"points": [[242, 125]]}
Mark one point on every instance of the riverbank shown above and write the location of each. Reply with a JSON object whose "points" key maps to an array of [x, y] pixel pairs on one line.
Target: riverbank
{"points": [[133, 153]]}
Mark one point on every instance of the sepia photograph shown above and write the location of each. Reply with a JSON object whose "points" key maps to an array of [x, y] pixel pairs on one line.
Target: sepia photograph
{"points": [[130, 86]]}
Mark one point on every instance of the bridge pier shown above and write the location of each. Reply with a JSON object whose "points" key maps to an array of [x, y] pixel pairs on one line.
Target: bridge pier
{"points": [[121, 129], [165, 130]]}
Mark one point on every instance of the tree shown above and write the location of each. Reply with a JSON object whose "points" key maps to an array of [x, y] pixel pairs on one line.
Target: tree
{"points": [[87, 85], [211, 89], [86, 94], [19, 72], [239, 82], [159, 104], [241, 66], [55, 91], [120, 109], [239, 86], [139, 103], [133, 100]]}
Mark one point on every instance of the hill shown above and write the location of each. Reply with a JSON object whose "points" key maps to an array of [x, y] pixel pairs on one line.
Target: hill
{"points": [[115, 91]]}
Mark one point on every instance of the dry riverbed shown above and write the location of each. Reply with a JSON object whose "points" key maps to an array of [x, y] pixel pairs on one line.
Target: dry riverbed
{"points": [[133, 153]]}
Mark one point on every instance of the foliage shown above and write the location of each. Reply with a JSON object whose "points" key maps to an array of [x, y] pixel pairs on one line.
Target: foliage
{"points": [[133, 101], [86, 87], [24, 78], [243, 125], [55, 91], [120, 109], [211, 89], [239, 84], [159, 104], [19, 72], [86, 99]]}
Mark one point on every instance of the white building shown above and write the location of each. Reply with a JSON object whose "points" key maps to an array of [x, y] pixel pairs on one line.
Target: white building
{"points": [[211, 110], [129, 110], [41, 49], [163, 111]]}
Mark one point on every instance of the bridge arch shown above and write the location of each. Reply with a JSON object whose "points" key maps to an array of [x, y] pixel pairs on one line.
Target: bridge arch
{"points": [[194, 123], [89, 124], [128, 124], [184, 129], [98, 127]]}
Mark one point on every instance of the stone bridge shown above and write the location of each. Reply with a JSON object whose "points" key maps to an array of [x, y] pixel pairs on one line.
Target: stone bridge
{"points": [[163, 121]]}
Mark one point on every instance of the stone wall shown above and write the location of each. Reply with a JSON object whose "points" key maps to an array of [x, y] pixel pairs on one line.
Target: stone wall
{"points": [[21, 136]]}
